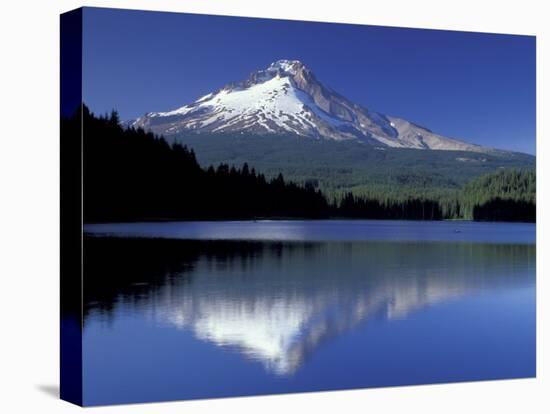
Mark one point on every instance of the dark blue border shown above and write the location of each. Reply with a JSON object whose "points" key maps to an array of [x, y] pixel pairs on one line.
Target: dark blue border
{"points": [[71, 209]]}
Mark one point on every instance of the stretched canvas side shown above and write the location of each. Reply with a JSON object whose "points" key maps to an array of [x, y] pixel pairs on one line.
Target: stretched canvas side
{"points": [[71, 207]]}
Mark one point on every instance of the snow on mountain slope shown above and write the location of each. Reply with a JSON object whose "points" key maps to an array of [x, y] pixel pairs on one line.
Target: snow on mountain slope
{"points": [[286, 98]]}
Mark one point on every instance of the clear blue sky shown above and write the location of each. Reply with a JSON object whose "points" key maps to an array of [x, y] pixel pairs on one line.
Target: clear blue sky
{"points": [[473, 86]]}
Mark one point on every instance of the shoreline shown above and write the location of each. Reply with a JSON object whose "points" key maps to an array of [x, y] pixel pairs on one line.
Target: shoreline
{"points": [[281, 219]]}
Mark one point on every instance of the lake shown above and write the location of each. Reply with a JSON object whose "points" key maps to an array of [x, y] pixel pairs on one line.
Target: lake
{"points": [[185, 310]]}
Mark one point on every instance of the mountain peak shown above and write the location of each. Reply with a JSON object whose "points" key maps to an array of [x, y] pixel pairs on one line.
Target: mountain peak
{"points": [[291, 67], [284, 68]]}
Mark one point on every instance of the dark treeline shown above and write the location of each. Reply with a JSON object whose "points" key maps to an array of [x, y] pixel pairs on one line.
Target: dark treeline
{"points": [[499, 209], [505, 195], [130, 174], [502, 196], [409, 209]]}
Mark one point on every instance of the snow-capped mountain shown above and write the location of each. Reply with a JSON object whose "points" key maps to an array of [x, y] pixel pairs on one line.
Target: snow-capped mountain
{"points": [[287, 99]]}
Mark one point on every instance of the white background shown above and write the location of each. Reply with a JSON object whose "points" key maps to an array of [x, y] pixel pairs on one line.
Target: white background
{"points": [[29, 194]]}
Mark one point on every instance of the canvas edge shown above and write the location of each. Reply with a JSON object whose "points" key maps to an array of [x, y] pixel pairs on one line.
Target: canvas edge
{"points": [[71, 380]]}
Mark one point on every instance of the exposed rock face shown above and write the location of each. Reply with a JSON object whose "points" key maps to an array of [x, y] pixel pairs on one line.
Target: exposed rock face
{"points": [[286, 98]]}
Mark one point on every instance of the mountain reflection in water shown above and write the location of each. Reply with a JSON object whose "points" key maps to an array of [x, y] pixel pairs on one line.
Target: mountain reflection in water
{"points": [[277, 302]]}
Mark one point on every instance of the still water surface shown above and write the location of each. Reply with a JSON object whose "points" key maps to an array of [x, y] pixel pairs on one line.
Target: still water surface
{"points": [[213, 309]]}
